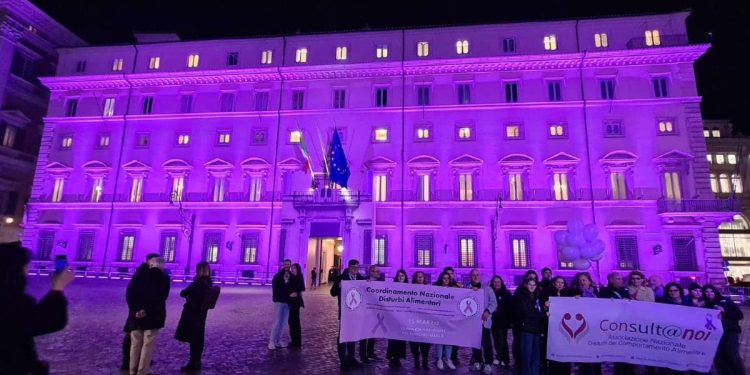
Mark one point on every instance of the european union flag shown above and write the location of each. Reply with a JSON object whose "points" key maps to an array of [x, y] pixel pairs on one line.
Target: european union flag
{"points": [[338, 167]]}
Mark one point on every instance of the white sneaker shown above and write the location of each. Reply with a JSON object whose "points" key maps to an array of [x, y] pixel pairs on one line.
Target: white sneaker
{"points": [[476, 366], [440, 364], [271, 346], [487, 369], [450, 365], [495, 362], [282, 345]]}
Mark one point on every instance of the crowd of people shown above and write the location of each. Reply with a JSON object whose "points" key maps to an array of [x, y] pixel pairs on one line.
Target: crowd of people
{"points": [[521, 314]]}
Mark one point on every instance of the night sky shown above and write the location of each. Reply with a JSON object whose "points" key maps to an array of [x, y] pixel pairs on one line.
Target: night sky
{"points": [[723, 76]]}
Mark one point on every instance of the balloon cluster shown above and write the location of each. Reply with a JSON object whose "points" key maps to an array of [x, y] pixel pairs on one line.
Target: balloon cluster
{"points": [[579, 244]]}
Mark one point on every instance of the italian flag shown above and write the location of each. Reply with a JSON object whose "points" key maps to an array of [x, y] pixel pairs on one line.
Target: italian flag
{"points": [[305, 153]]}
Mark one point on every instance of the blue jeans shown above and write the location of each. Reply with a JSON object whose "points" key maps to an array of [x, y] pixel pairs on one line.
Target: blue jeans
{"points": [[530, 353], [280, 317], [443, 351]]}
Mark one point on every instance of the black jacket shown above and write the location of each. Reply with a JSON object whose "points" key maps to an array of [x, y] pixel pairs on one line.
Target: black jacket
{"points": [[528, 313], [298, 286], [503, 315], [730, 320], [148, 293], [611, 292], [280, 289], [22, 319], [336, 288], [192, 325], [137, 275]]}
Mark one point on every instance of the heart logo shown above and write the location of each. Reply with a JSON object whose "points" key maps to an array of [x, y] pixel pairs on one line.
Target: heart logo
{"points": [[573, 328]]}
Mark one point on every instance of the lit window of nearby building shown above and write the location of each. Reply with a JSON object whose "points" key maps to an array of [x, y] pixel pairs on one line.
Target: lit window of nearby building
{"points": [[672, 187], [660, 87], [301, 55], [423, 49], [666, 127], [509, 45], [379, 188], [341, 53], [653, 38], [706, 133], [724, 183], [465, 188], [716, 133], [183, 139], [109, 107], [9, 137], [96, 189], [57, 189], [233, 58], [103, 141], [737, 184], [153, 63], [178, 187], [192, 61], [600, 40], [249, 248], [423, 133], [512, 131], [467, 246], [380, 250], [464, 132], [626, 247], [557, 131], [211, 246], [136, 189], [732, 158], [550, 43], [560, 186], [462, 47], [720, 159], [295, 136], [381, 51], [224, 138], [66, 142], [168, 246], [266, 57], [714, 183], [710, 158], [117, 65], [381, 135], [519, 243]]}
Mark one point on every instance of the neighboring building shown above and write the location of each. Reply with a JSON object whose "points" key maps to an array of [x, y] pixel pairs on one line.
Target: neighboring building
{"points": [[728, 156], [28, 39], [443, 129]]}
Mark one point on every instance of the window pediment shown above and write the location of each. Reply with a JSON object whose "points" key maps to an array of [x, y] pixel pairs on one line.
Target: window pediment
{"points": [[96, 168], [57, 169], [255, 166], [561, 159], [290, 164], [135, 167], [177, 167], [423, 163], [380, 163], [672, 157]]}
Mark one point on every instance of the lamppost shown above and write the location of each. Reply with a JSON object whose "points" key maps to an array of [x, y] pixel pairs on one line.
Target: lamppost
{"points": [[187, 222], [493, 224]]}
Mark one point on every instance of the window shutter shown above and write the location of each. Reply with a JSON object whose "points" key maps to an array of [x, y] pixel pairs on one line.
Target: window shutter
{"points": [[367, 247], [627, 252], [282, 244], [85, 246], [684, 253]]}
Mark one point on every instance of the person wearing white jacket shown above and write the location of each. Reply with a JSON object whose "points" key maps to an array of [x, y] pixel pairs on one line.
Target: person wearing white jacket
{"points": [[484, 356]]}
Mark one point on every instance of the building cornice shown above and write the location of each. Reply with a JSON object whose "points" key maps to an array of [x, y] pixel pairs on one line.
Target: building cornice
{"points": [[663, 55], [59, 35]]}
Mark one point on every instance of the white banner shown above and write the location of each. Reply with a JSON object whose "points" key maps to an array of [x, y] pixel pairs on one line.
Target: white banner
{"points": [[411, 312], [643, 333]]}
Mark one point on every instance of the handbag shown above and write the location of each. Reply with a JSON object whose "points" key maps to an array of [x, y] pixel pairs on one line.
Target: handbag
{"points": [[211, 298]]}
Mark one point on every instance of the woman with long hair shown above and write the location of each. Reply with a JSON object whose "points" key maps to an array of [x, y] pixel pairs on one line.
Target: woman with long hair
{"points": [[444, 351], [529, 320], [636, 288], [583, 287], [396, 349], [557, 288], [727, 360], [192, 325], [501, 321], [419, 348], [673, 294], [22, 317], [295, 304]]}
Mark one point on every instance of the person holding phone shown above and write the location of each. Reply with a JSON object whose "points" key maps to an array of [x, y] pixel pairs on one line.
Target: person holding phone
{"points": [[27, 318]]}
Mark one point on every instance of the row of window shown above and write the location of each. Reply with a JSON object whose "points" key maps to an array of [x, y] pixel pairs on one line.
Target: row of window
{"points": [[722, 183], [463, 92], [722, 158], [550, 42]]}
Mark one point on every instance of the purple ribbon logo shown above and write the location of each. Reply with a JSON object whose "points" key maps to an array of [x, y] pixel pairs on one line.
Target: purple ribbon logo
{"points": [[710, 322], [380, 324]]}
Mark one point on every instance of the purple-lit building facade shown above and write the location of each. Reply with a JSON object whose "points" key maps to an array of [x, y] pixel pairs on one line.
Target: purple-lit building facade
{"points": [[468, 146]]}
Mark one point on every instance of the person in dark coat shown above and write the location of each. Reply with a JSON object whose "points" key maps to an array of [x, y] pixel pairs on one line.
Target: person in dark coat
{"points": [[396, 349], [126, 342], [557, 288], [615, 288], [529, 321], [674, 294], [282, 291], [346, 349], [419, 348], [501, 321], [147, 302], [192, 325], [22, 317], [727, 360], [295, 304]]}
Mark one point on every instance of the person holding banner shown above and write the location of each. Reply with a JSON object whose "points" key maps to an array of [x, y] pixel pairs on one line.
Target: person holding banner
{"points": [[346, 349], [637, 290], [530, 324], [695, 296], [396, 349], [501, 320], [727, 360], [583, 287], [673, 294], [419, 348], [443, 352], [490, 305], [558, 288], [367, 346], [616, 290]]}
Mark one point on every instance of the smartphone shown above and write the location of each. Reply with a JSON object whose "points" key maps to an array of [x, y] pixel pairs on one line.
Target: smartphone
{"points": [[61, 263]]}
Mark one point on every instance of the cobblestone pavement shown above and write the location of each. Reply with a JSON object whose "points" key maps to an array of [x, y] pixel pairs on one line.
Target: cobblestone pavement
{"points": [[236, 335]]}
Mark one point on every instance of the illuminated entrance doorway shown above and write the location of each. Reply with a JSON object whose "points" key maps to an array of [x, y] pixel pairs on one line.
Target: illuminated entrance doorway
{"points": [[324, 254]]}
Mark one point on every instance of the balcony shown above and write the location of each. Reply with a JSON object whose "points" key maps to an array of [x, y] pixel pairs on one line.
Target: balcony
{"points": [[699, 205], [666, 41], [201, 197], [327, 197]]}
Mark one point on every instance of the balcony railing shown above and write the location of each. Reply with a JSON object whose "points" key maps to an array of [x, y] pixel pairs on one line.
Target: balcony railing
{"points": [[699, 205], [202, 197], [666, 41], [327, 197]]}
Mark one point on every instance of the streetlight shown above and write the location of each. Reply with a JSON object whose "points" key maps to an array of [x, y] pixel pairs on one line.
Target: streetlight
{"points": [[188, 227]]}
